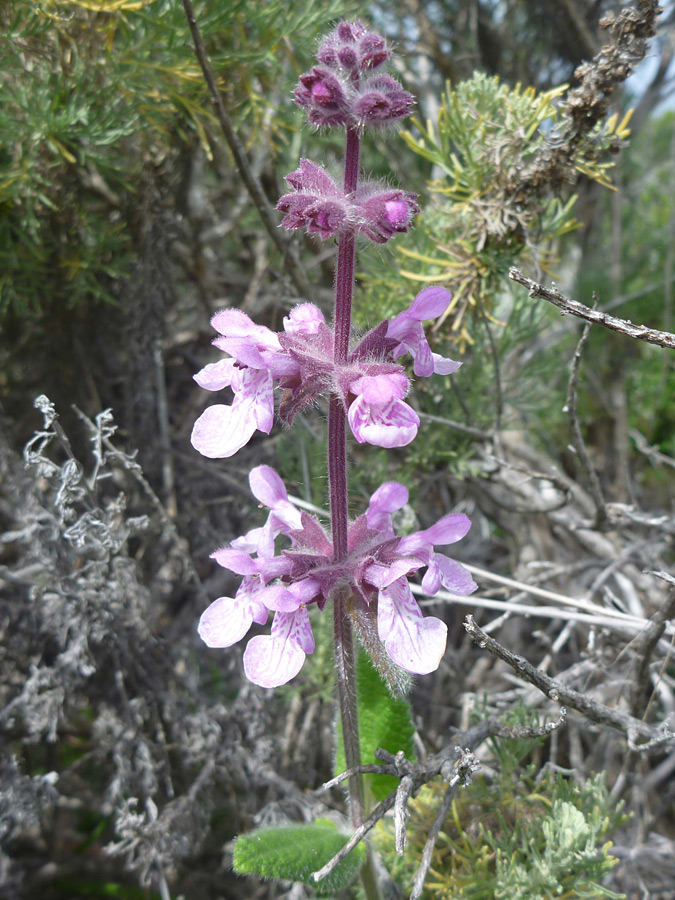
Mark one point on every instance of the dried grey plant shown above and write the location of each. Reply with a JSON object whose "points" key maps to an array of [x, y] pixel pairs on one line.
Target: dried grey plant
{"points": [[131, 724]]}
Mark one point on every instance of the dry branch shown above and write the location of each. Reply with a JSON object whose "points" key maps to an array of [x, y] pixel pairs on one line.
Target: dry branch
{"points": [[253, 185], [554, 690], [577, 437], [594, 316]]}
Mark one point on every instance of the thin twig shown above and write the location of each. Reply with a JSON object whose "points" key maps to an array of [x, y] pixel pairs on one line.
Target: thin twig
{"points": [[383, 807], [654, 455], [442, 763], [619, 622], [249, 178], [497, 369], [554, 690], [594, 316], [577, 437], [434, 831], [134, 469], [403, 795], [168, 479], [477, 433], [644, 645]]}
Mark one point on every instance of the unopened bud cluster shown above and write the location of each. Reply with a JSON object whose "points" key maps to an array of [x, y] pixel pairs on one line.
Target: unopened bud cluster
{"points": [[344, 91]]}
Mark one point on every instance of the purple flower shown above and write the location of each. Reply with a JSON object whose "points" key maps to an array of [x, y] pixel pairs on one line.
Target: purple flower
{"points": [[414, 643], [388, 498], [383, 213], [325, 97], [222, 430], [257, 358], [317, 203], [228, 619], [269, 489], [351, 47], [370, 384], [407, 330], [375, 571], [382, 101], [378, 415], [334, 94], [274, 659]]}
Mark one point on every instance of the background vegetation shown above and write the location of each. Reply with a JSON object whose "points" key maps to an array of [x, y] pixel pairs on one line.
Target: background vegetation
{"points": [[131, 755]]}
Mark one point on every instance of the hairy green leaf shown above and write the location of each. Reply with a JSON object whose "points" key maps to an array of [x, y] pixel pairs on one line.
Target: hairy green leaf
{"points": [[384, 722], [293, 852]]}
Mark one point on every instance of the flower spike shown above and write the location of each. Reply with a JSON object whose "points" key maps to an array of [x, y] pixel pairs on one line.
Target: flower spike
{"points": [[306, 574]]}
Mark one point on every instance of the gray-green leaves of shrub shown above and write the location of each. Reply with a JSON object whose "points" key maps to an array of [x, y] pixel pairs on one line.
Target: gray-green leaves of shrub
{"points": [[384, 721], [293, 852]]}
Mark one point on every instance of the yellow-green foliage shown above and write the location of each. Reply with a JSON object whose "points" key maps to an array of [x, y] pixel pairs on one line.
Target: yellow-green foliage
{"points": [[481, 219], [99, 98], [512, 838]]}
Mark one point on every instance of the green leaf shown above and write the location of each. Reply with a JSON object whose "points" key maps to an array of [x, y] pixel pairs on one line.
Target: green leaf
{"points": [[384, 722], [293, 852]]}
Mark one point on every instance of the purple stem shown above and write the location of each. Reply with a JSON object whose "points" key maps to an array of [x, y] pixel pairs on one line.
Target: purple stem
{"points": [[337, 483]]}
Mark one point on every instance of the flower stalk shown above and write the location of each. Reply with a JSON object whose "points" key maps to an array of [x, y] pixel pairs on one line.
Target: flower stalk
{"points": [[361, 566], [339, 491]]}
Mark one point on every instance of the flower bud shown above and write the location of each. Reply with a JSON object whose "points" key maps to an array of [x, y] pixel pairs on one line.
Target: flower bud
{"points": [[317, 203], [353, 48], [324, 97], [384, 213], [381, 101], [373, 50]]}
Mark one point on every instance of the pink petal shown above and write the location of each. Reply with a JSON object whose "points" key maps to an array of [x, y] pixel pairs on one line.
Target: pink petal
{"points": [[414, 642], [221, 431], [387, 499], [392, 424], [249, 541], [447, 530], [233, 323], [216, 376], [382, 576], [254, 396], [272, 660], [267, 486], [430, 303], [227, 620], [279, 599], [423, 365], [304, 319], [380, 388], [443, 365], [236, 560], [451, 574]]}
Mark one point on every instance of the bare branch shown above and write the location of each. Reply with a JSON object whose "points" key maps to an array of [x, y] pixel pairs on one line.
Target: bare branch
{"points": [[249, 178], [434, 831], [577, 437], [594, 316], [554, 690], [644, 644], [358, 836]]}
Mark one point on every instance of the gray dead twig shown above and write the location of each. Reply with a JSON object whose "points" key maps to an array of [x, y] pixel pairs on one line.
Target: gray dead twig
{"points": [[577, 437], [594, 316], [613, 717]]}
